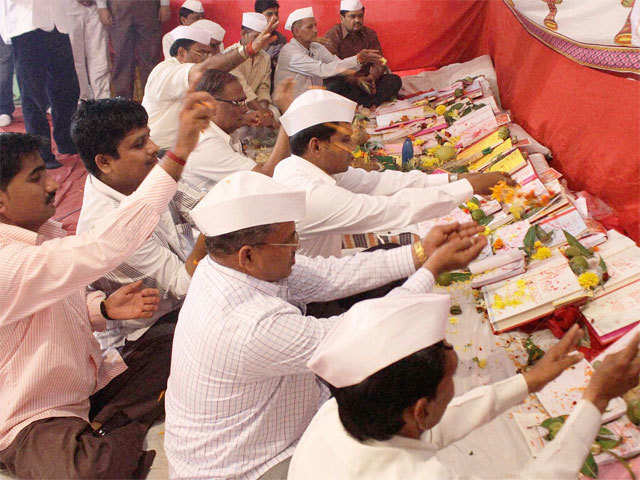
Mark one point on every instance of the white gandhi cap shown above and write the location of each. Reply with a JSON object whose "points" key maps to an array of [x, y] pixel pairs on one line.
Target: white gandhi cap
{"points": [[254, 21], [376, 333], [193, 5], [191, 33], [314, 107], [216, 31], [350, 5], [247, 199], [296, 15]]}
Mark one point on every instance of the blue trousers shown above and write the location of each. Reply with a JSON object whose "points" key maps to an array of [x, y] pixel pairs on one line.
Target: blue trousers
{"points": [[47, 76], [6, 79]]}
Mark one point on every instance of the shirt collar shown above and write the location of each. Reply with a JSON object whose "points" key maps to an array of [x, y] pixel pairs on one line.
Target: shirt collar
{"points": [[273, 289], [104, 189], [12, 233], [405, 443], [297, 43], [217, 131], [345, 32], [310, 170]]}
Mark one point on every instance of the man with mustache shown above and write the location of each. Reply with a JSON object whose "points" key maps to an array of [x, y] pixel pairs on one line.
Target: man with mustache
{"points": [[55, 379], [239, 395], [112, 137], [373, 84]]}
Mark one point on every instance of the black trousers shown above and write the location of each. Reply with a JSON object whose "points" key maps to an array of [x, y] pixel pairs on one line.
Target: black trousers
{"points": [[387, 87], [47, 76]]}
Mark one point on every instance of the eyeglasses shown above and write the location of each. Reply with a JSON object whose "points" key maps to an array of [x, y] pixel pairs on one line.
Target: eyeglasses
{"points": [[236, 103], [296, 244]]}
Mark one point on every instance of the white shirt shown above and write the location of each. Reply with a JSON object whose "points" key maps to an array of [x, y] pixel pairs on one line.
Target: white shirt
{"points": [[240, 395], [22, 16], [103, 3], [159, 261], [166, 87], [358, 201], [326, 450], [213, 159], [308, 67]]}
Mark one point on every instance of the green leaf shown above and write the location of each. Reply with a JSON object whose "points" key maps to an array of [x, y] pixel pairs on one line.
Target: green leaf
{"points": [[544, 237], [458, 92], [486, 220], [475, 200], [531, 212], [529, 241], [608, 443], [590, 467], [457, 106], [573, 242], [535, 352], [553, 426]]}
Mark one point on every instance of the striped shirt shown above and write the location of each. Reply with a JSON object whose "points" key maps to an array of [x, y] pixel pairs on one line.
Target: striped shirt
{"points": [[240, 395], [159, 262], [49, 359]]}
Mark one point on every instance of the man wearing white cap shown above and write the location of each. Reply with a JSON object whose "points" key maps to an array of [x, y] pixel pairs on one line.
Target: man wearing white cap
{"points": [[191, 55], [343, 200], [255, 74], [393, 405], [239, 394], [216, 31], [373, 84], [190, 11], [216, 156], [307, 61]]}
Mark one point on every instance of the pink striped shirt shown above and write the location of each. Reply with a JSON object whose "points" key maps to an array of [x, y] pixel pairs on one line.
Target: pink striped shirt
{"points": [[50, 363]]}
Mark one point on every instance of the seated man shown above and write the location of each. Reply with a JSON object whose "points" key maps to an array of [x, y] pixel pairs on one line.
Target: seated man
{"points": [[239, 394], [393, 405], [215, 156], [112, 138], [55, 380], [255, 74], [373, 84], [307, 61], [271, 9], [190, 11], [191, 56], [343, 200]]}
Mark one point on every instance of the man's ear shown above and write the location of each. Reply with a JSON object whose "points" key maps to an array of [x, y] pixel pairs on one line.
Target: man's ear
{"points": [[104, 163], [421, 413], [4, 203], [245, 258]]}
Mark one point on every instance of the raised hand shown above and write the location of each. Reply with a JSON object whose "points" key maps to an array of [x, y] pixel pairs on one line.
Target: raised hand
{"points": [[617, 374], [265, 38], [132, 301], [252, 118], [197, 111], [558, 358], [455, 253]]}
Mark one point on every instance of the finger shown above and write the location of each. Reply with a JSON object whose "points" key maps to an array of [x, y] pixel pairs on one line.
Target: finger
{"points": [[567, 360], [460, 244], [145, 315], [150, 292], [449, 228], [631, 350], [149, 308], [151, 300], [132, 287]]}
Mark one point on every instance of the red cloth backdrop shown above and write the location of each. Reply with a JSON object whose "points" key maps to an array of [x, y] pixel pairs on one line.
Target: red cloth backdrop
{"points": [[590, 119]]}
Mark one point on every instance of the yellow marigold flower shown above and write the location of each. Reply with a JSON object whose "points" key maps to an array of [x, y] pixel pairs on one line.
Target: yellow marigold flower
{"points": [[358, 154], [538, 244], [487, 231], [521, 283], [453, 320], [588, 280], [419, 142], [440, 109], [472, 206], [541, 253]]}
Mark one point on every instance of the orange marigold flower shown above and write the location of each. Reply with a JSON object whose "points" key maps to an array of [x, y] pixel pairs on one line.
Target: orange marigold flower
{"points": [[498, 244]]}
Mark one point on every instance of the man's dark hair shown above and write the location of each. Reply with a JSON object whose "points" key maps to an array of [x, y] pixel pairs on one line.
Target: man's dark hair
{"points": [[231, 242], [262, 5], [344, 12], [181, 42], [213, 81], [300, 141], [13, 148], [98, 127], [373, 408], [184, 12]]}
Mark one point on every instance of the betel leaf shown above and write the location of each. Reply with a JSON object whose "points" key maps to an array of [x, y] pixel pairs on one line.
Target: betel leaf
{"points": [[553, 425], [603, 266], [475, 200], [457, 106], [529, 241], [573, 242], [531, 212], [590, 467], [544, 237], [484, 221], [607, 439], [535, 352], [458, 92]]}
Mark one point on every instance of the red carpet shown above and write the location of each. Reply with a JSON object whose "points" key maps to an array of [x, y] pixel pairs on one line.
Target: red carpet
{"points": [[70, 177]]}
